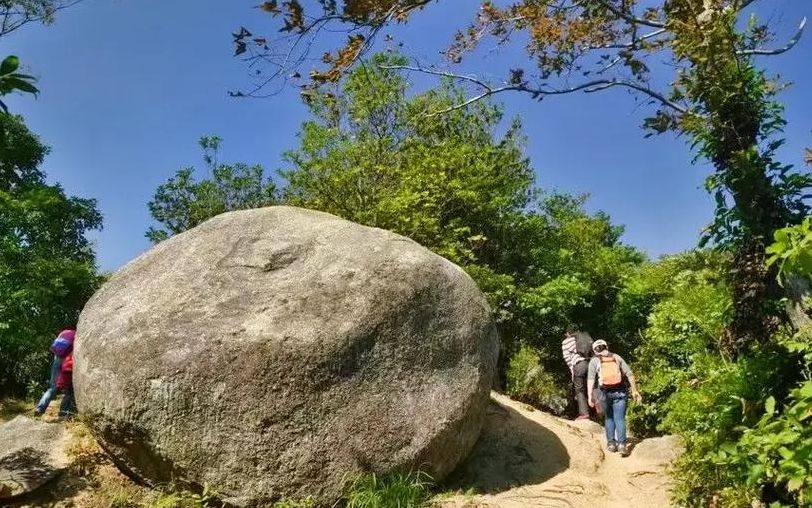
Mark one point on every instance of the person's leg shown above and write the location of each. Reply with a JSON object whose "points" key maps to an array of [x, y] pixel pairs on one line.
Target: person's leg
{"points": [[620, 417], [609, 421], [68, 406], [579, 383], [620, 421], [45, 400]]}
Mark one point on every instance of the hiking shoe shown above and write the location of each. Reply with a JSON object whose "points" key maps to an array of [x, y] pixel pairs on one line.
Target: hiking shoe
{"points": [[623, 449], [612, 447]]}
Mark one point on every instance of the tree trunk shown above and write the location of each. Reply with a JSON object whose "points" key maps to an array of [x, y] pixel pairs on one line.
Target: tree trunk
{"points": [[798, 291]]}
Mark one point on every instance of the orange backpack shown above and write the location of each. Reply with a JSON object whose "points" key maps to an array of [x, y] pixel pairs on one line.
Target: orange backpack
{"points": [[610, 375]]}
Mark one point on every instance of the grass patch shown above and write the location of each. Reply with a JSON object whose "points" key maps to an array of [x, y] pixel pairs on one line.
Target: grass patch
{"points": [[394, 490], [9, 408], [439, 497], [84, 452], [294, 503]]}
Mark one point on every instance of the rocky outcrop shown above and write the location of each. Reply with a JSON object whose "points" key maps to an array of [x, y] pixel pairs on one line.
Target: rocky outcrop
{"points": [[32, 453]]}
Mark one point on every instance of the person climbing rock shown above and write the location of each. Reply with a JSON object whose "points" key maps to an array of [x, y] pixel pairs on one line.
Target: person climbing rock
{"points": [[614, 380], [61, 348], [576, 349]]}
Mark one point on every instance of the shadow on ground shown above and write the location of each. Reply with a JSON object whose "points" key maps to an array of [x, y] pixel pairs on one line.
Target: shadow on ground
{"points": [[512, 451]]}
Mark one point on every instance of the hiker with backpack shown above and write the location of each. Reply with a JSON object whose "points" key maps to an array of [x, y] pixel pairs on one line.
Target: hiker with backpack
{"points": [[614, 380], [61, 348], [577, 349]]}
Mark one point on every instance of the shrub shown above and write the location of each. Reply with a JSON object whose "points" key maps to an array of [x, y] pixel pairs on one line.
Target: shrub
{"points": [[528, 382], [683, 327], [712, 413], [776, 455]]}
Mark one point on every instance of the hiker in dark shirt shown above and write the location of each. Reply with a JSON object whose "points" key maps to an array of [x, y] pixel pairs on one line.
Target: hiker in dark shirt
{"points": [[576, 349]]}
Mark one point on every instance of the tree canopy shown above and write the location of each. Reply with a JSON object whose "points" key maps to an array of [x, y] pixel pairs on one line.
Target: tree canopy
{"points": [[461, 185], [718, 95], [47, 264], [182, 203]]}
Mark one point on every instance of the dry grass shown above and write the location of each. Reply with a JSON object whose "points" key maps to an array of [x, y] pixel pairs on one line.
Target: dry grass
{"points": [[9, 408]]}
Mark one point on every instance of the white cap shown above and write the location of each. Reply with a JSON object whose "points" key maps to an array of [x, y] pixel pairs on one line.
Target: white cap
{"points": [[599, 342]]}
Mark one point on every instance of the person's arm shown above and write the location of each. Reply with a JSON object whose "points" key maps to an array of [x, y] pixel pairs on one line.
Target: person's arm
{"points": [[590, 384], [566, 352], [624, 367]]}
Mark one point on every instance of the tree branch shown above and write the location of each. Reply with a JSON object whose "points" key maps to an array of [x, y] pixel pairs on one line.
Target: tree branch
{"points": [[778, 51], [631, 44], [587, 87], [630, 17], [10, 24]]}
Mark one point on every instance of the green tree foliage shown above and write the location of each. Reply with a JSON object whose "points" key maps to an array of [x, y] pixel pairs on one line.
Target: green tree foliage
{"points": [[719, 97], [182, 203], [744, 422], [711, 412], [684, 304], [528, 382], [368, 156], [792, 250], [450, 182], [47, 265]]}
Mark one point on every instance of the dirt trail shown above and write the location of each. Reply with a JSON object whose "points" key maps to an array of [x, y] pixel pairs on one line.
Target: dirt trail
{"points": [[529, 458]]}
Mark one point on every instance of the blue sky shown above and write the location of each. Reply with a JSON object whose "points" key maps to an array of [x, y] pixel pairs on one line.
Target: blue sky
{"points": [[129, 86]]}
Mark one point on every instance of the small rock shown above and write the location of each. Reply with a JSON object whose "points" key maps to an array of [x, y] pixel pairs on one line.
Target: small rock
{"points": [[659, 450], [31, 454], [589, 426]]}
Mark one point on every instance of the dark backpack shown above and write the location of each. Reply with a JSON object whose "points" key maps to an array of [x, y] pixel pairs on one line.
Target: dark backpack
{"points": [[583, 344]]}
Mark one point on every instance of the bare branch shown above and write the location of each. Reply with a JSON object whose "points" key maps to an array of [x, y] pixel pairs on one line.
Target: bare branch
{"points": [[662, 99], [488, 90], [778, 51], [633, 43]]}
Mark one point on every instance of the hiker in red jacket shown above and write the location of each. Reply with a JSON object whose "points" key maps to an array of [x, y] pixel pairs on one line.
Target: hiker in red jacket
{"points": [[61, 348]]}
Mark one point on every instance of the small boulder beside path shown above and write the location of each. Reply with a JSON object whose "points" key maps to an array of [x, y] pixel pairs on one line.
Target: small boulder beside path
{"points": [[32, 453]]}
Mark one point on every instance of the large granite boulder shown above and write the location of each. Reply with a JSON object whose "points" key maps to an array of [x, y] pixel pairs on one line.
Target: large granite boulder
{"points": [[276, 352], [32, 453]]}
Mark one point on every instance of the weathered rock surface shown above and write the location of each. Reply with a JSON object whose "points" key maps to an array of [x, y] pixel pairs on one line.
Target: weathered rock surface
{"points": [[273, 352], [661, 450], [31, 454]]}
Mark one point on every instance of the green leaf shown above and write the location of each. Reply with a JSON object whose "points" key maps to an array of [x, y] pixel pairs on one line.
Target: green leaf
{"points": [[14, 83], [795, 483], [769, 405], [10, 64], [806, 390]]}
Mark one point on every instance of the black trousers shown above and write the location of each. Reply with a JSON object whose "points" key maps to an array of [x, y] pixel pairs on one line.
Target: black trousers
{"points": [[579, 373]]}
